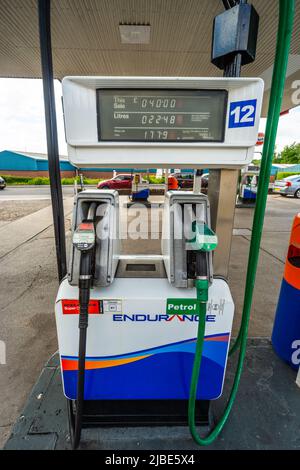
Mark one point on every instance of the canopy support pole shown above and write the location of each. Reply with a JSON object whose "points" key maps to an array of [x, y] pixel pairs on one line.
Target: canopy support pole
{"points": [[44, 11]]}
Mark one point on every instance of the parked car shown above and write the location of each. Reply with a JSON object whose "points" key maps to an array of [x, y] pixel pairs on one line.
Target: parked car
{"points": [[122, 181], [185, 180], [2, 183], [289, 186], [204, 183]]}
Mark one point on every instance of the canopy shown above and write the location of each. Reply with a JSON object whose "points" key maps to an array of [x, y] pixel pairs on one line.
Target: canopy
{"points": [[86, 39]]}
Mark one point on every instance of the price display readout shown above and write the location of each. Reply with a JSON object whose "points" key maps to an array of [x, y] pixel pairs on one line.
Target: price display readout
{"points": [[161, 115]]}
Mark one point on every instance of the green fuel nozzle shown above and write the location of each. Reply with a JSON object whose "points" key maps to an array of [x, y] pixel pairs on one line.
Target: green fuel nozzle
{"points": [[203, 241], [204, 238]]}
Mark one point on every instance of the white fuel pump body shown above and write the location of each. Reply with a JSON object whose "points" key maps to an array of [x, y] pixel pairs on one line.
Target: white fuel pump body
{"points": [[142, 331], [135, 350]]}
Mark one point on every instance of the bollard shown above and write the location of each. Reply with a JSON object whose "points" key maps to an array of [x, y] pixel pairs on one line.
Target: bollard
{"points": [[286, 330]]}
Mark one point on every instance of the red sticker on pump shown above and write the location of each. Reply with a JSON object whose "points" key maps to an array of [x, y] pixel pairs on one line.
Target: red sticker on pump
{"points": [[71, 307], [86, 226]]}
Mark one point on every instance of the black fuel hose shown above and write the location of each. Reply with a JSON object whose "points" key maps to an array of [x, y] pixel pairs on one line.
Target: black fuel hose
{"points": [[84, 300], [85, 283]]}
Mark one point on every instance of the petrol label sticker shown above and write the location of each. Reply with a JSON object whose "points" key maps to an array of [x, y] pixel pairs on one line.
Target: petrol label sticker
{"points": [[242, 114], [182, 306]]}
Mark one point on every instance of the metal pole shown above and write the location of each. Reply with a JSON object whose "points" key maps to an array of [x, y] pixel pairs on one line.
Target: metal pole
{"points": [[197, 181], [44, 10]]}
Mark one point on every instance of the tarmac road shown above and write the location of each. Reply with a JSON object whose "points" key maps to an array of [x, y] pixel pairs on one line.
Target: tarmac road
{"points": [[29, 284], [15, 193], [40, 192]]}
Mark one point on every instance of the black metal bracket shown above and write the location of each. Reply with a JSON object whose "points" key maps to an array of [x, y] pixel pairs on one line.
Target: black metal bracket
{"points": [[235, 33]]}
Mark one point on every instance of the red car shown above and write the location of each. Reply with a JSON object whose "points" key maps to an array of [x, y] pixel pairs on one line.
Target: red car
{"points": [[122, 181]]}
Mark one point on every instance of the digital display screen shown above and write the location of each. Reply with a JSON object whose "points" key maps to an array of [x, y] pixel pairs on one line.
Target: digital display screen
{"points": [[161, 115]]}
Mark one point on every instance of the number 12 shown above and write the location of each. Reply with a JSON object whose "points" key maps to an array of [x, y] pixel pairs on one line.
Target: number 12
{"points": [[243, 114]]}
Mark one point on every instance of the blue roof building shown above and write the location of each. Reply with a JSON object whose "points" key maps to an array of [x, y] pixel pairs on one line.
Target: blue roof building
{"points": [[278, 168], [14, 163]]}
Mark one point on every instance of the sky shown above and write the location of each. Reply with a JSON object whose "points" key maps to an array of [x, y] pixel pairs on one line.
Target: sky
{"points": [[22, 121], [22, 125]]}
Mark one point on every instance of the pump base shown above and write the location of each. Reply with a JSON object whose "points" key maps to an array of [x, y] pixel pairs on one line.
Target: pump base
{"points": [[42, 424], [140, 413]]}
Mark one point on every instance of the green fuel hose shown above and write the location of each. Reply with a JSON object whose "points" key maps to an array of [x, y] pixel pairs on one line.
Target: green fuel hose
{"points": [[286, 18]]}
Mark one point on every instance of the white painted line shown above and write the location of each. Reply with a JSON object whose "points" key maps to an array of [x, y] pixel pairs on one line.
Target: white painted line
{"points": [[241, 232], [298, 378], [26, 198]]}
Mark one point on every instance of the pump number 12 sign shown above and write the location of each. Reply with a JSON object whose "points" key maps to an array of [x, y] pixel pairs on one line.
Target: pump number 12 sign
{"points": [[242, 114]]}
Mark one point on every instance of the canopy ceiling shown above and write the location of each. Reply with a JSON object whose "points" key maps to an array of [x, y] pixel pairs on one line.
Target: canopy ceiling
{"points": [[86, 39]]}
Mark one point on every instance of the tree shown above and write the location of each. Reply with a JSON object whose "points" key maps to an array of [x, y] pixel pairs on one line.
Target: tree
{"points": [[276, 157], [290, 154]]}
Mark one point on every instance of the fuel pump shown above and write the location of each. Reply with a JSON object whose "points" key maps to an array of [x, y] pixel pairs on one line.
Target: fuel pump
{"points": [[248, 186], [149, 311], [140, 189], [152, 317]]}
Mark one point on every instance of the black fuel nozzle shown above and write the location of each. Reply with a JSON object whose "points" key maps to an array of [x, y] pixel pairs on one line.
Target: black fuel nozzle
{"points": [[84, 240], [84, 237], [201, 265]]}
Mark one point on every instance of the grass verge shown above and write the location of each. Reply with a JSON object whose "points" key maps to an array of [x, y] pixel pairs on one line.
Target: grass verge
{"points": [[12, 180]]}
